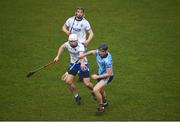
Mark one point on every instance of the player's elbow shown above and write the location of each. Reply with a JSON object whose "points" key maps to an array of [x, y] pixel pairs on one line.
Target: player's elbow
{"points": [[63, 28], [92, 34]]}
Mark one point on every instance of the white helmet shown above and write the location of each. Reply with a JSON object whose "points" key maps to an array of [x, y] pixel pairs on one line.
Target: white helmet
{"points": [[73, 37]]}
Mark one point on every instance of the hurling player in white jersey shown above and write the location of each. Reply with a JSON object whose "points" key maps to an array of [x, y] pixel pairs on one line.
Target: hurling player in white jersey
{"points": [[76, 65], [80, 26], [104, 76]]}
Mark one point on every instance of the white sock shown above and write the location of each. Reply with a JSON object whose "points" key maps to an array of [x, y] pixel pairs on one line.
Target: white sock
{"points": [[76, 95]]}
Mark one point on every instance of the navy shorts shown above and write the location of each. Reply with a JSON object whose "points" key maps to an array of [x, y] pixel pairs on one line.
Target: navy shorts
{"points": [[73, 69], [106, 80]]}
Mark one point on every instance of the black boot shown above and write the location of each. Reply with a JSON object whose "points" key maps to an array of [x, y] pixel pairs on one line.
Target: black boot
{"points": [[100, 109], [78, 100], [105, 103]]}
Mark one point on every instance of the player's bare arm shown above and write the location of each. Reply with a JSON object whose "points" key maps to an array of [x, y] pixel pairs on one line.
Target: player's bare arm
{"points": [[91, 52], [65, 30], [82, 61], [89, 39], [60, 51], [106, 75]]}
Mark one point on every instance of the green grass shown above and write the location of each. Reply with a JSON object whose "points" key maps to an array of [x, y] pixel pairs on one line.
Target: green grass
{"points": [[143, 36]]}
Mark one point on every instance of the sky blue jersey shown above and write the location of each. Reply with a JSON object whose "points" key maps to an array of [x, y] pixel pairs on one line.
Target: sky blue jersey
{"points": [[104, 63]]}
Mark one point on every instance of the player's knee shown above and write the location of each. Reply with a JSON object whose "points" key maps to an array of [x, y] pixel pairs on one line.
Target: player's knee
{"points": [[68, 82], [87, 84], [95, 90], [86, 81]]}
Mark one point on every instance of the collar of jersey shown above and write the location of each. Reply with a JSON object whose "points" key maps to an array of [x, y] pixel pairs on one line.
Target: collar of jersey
{"points": [[104, 55], [79, 20]]}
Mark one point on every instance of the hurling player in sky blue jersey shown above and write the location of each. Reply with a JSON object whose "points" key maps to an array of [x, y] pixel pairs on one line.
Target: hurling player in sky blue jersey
{"points": [[104, 75]]}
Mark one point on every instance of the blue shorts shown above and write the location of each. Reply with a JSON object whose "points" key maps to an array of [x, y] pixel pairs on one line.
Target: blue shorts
{"points": [[73, 69], [106, 80]]}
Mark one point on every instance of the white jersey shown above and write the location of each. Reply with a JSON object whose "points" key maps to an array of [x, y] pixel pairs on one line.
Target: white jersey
{"points": [[78, 27], [74, 52]]}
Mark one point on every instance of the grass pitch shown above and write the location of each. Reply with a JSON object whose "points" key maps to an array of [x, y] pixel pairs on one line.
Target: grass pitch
{"points": [[143, 36]]}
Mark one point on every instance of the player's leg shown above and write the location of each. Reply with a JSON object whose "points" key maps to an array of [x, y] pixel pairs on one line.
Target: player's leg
{"points": [[69, 81], [86, 79], [70, 84], [107, 81], [103, 93], [64, 76], [84, 73], [97, 88], [88, 84]]}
